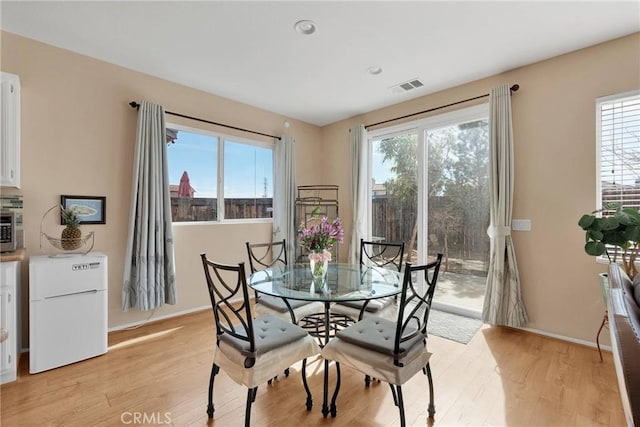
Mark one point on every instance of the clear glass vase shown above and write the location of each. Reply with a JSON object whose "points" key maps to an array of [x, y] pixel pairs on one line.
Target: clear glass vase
{"points": [[318, 263]]}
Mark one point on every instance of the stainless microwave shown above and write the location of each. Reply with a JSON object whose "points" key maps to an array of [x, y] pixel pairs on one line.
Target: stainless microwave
{"points": [[8, 238]]}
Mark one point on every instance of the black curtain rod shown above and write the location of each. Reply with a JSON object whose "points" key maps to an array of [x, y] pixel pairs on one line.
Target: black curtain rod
{"points": [[134, 104], [513, 89]]}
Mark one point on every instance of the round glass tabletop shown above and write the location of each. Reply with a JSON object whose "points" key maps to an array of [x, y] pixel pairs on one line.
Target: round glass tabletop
{"points": [[343, 282]]}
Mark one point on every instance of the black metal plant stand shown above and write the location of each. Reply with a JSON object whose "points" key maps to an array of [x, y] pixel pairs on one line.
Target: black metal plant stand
{"points": [[321, 200]]}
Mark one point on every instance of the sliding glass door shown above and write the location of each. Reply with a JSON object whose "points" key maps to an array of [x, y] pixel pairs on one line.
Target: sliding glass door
{"points": [[394, 191], [429, 190]]}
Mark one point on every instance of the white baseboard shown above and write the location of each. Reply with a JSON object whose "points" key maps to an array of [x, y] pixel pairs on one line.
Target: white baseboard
{"points": [[565, 338], [154, 319], [478, 315]]}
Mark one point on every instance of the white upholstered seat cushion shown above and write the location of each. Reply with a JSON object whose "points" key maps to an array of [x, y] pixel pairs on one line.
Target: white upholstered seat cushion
{"points": [[278, 304], [376, 364], [386, 308], [313, 307], [270, 332], [373, 306], [267, 364]]}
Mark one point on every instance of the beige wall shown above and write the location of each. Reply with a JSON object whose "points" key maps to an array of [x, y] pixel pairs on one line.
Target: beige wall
{"points": [[555, 173], [78, 137], [78, 134]]}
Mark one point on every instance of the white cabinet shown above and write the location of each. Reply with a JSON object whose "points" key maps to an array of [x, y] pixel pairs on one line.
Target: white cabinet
{"points": [[9, 280], [10, 131]]}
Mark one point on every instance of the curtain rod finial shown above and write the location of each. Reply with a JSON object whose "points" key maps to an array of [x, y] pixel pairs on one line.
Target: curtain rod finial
{"points": [[515, 87], [134, 104]]}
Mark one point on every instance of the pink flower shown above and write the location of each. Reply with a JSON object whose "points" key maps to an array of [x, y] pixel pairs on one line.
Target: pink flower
{"points": [[321, 236]]}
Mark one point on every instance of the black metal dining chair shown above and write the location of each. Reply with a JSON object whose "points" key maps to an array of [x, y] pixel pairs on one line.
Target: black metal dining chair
{"points": [[378, 254], [393, 351], [267, 255], [250, 350]]}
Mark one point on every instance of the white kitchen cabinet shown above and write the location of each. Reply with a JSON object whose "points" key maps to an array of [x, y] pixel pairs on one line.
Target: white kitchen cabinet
{"points": [[9, 280], [10, 131]]}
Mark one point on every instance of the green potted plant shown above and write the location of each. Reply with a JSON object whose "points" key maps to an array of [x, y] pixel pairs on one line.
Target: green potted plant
{"points": [[614, 225]]}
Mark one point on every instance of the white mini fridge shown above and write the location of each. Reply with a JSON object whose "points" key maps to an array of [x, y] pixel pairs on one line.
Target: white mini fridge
{"points": [[67, 309]]}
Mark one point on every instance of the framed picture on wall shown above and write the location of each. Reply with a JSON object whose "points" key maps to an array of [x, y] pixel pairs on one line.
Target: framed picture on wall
{"points": [[91, 209]]}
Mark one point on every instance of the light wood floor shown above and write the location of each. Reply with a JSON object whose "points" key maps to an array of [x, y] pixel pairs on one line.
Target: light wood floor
{"points": [[161, 370]]}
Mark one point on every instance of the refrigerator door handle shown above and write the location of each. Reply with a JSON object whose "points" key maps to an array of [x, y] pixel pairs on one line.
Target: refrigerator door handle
{"points": [[93, 291]]}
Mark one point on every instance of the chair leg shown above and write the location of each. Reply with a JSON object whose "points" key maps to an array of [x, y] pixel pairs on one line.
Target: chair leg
{"points": [[334, 409], [368, 379], [396, 391], [214, 371], [306, 386], [251, 397], [393, 393], [432, 407], [403, 422], [271, 380]]}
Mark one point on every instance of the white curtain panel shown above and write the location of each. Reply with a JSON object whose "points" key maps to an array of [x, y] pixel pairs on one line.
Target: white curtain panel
{"points": [[503, 301], [149, 267], [284, 194], [359, 188]]}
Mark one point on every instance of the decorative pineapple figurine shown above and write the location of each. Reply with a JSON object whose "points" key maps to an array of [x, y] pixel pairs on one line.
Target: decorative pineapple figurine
{"points": [[71, 235]]}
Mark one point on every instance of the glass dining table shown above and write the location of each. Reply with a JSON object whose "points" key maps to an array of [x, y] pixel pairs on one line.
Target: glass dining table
{"points": [[342, 283]]}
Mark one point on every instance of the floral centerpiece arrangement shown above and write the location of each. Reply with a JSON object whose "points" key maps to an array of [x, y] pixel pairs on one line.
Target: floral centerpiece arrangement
{"points": [[319, 238]]}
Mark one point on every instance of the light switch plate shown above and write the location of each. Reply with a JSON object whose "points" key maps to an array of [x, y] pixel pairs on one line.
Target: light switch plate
{"points": [[521, 225]]}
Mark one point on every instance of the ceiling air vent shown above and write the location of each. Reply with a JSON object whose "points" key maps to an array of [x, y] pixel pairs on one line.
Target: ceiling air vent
{"points": [[407, 86]]}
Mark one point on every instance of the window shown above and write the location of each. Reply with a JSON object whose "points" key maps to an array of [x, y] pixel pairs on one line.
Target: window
{"points": [[618, 134], [216, 178], [429, 189], [248, 181]]}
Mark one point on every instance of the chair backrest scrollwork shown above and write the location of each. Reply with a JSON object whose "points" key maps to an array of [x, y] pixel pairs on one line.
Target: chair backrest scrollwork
{"points": [[234, 322], [381, 254], [415, 303], [266, 255]]}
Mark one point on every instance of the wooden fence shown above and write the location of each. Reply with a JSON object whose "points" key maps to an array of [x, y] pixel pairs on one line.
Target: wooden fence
{"points": [[184, 209], [393, 221]]}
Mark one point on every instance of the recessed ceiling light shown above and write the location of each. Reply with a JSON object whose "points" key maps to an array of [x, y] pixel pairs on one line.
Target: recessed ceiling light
{"points": [[305, 27], [374, 71]]}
